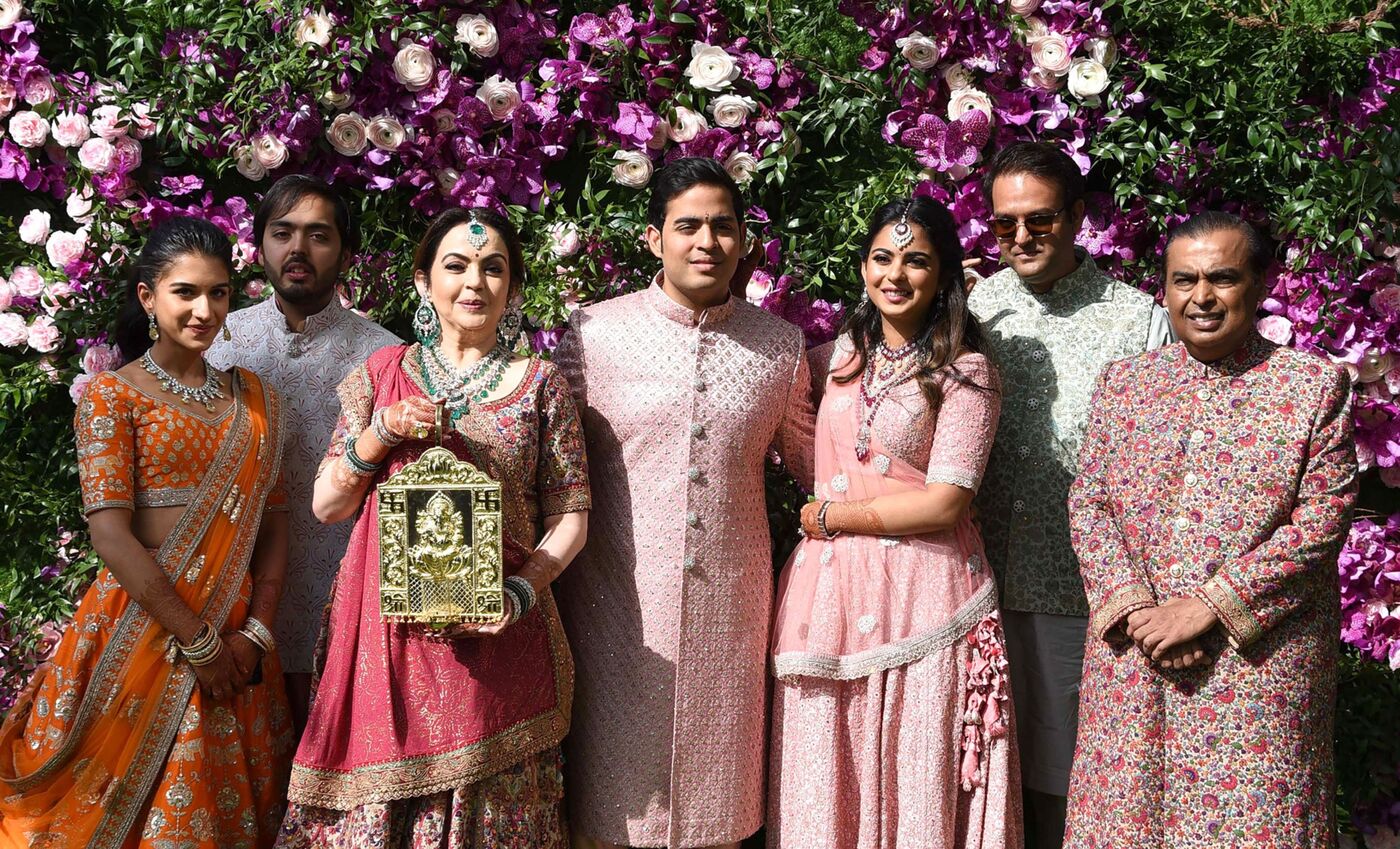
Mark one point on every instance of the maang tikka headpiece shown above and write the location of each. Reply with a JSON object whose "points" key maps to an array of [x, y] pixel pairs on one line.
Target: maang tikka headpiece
{"points": [[902, 234], [476, 233]]}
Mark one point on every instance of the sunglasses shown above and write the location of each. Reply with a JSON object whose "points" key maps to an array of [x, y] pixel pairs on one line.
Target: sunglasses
{"points": [[1036, 225]]}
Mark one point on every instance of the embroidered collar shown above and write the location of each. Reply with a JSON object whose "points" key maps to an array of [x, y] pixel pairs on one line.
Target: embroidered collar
{"points": [[663, 304], [1255, 350], [1085, 284], [315, 323]]}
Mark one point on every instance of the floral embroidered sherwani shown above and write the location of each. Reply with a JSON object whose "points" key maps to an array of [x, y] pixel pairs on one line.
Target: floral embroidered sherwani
{"points": [[668, 607], [1231, 482], [305, 368]]}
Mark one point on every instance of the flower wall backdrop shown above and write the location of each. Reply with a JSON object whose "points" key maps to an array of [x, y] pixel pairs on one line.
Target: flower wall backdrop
{"points": [[115, 115]]}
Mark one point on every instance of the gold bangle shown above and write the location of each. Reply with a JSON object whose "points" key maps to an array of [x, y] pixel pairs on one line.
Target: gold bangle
{"points": [[209, 658], [260, 634]]}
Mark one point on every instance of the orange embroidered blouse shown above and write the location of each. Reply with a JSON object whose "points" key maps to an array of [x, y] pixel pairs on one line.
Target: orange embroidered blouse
{"points": [[135, 450]]}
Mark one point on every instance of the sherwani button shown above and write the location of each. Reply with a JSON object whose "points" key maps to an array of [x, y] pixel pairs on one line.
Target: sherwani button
{"points": [[1191, 479], [697, 430], [1203, 394], [692, 518], [693, 473], [1181, 523], [1198, 435]]}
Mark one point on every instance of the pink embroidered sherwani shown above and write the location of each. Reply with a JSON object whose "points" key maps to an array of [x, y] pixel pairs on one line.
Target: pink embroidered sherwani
{"points": [[667, 609], [1232, 482]]}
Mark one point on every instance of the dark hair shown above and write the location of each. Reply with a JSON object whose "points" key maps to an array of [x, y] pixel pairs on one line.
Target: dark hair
{"points": [[949, 329], [1039, 159], [1261, 248], [444, 222], [683, 174], [289, 191], [176, 238]]}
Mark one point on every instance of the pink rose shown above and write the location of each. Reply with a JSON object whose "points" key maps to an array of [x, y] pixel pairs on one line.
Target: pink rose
{"points": [[1275, 328], [126, 154], [71, 129], [43, 336], [107, 122], [7, 294], [13, 331], [100, 358], [34, 229], [78, 387], [7, 97], [1051, 52], [38, 87], [255, 288], [29, 129], [49, 635], [57, 296], [64, 248], [1386, 301], [270, 151], [27, 281], [97, 155], [141, 124], [79, 206]]}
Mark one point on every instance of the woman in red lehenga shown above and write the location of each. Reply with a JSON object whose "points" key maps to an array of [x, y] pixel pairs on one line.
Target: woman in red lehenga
{"points": [[890, 713], [423, 738]]}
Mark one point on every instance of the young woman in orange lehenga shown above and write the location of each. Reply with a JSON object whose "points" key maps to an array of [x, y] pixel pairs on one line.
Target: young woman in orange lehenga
{"points": [[161, 719]]}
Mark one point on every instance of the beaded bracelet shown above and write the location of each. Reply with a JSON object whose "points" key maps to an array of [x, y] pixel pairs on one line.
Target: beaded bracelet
{"points": [[359, 465], [381, 431]]}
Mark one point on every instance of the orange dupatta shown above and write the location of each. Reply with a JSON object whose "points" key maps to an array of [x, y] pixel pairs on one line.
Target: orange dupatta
{"points": [[78, 770]]}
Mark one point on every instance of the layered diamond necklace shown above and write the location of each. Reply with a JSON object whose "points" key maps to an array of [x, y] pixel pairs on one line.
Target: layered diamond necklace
{"points": [[885, 370], [208, 394]]}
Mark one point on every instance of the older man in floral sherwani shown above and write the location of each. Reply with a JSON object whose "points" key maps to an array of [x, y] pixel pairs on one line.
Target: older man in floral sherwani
{"points": [[1216, 483], [682, 389]]}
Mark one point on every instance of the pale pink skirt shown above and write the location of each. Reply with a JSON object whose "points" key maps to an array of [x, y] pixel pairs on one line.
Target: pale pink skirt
{"points": [[875, 763]]}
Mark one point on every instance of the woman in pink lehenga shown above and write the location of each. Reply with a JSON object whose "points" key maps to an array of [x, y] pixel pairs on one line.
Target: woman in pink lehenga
{"points": [[891, 716]]}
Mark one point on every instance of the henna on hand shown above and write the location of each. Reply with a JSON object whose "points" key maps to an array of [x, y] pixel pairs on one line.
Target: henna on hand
{"points": [[855, 517]]}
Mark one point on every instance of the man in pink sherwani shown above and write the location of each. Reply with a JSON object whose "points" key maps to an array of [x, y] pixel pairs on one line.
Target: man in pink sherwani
{"points": [[1215, 489], [682, 389]]}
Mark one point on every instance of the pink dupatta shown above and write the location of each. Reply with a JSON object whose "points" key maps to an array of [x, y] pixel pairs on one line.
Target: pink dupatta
{"points": [[400, 713]]}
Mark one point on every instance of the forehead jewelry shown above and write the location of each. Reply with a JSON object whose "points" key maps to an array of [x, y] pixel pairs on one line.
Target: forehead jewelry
{"points": [[476, 233], [902, 234]]}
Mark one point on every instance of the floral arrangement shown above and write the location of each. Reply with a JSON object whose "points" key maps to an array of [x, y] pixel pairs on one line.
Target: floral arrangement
{"points": [[821, 111]]}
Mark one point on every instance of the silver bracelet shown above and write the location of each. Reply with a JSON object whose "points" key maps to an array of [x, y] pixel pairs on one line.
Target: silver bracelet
{"points": [[524, 592], [381, 431], [259, 634]]}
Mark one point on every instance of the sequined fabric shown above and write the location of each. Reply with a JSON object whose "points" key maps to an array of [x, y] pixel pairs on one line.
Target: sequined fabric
{"points": [[1049, 348], [668, 607], [1233, 483], [305, 369]]}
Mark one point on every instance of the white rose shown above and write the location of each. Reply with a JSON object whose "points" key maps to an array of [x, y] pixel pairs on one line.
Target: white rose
{"points": [[414, 67], [444, 120], [479, 34], [964, 100], [107, 122], [29, 129], [500, 95], [247, 163], [1102, 50], [97, 155], [660, 134], [63, 248], [385, 133], [13, 331], [270, 151], [687, 124], [732, 110], [315, 29], [70, 129], [710, 67], [347, 134], [1374, 366], [633, 168], [741, 166], [79, 206], [1051, 52], [336, 100], [27, 281], [446, 179], [34, 229], [1024, 7], [957, 76], [10, 10], [1087, 78], [919, 50], [564, 239]]}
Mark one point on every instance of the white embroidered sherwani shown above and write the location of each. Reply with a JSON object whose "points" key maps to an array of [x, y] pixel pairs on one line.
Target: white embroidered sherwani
{"points": [[668, 607], [305, 368]]}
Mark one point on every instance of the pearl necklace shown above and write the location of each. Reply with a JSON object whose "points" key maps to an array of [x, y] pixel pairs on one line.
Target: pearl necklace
{"points": [[211, 391]]}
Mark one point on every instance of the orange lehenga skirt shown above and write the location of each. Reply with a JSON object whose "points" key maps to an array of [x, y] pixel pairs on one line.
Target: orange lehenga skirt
{"points": [[113, 744]]}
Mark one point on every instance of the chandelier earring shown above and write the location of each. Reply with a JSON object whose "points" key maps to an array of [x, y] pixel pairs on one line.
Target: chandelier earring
{"points": [[151, 329], [425, 322], [228, 337], [508, 330]]}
